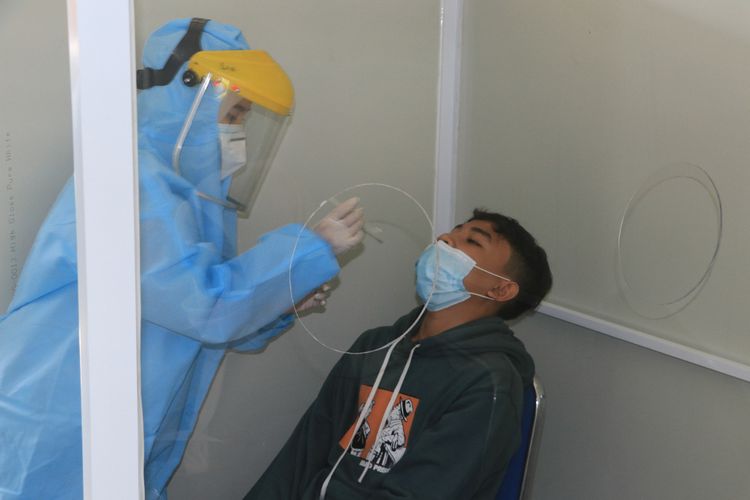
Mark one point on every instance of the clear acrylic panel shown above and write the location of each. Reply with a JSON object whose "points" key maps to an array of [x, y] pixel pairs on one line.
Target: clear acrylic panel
{"points": [[40, 423], [365, 90]]}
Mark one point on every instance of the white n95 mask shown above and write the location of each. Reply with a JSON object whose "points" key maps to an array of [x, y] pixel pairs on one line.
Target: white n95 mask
{"points": [[443, 276], [233, 143]]}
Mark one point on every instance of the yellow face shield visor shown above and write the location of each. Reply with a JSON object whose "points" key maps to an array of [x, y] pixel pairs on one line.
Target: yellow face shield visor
{"points": [[257, 98]]}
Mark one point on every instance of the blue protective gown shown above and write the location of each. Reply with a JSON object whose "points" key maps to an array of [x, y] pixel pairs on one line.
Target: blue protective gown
{"points": [[198, 299]]}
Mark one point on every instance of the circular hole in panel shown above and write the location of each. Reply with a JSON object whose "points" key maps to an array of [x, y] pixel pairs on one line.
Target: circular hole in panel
{"points": [[668, 240], [377, 272]]}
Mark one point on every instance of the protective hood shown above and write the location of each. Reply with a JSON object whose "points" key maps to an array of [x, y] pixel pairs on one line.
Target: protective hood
{"points": [[162, 109]]}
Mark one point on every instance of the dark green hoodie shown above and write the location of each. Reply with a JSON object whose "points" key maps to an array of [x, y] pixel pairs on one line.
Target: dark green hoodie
{"points": [[449, 433]]}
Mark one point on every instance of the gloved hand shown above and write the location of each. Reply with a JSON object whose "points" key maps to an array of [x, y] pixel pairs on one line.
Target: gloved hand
{"points": [[342, 227], [315, 299]]}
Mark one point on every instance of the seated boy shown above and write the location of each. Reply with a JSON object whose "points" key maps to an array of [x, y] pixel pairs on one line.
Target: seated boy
{"points": [[437, 415]]}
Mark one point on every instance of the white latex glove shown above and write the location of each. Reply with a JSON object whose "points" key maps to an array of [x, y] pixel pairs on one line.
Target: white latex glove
{"points": [[342, 227], [315, 299]]}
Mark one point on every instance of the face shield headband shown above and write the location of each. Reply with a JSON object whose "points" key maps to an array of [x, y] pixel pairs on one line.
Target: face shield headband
{"points": [[189, 45]]}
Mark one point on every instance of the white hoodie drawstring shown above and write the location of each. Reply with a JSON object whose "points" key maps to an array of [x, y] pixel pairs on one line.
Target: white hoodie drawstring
{"points": [[387, 411], [363, 414]]}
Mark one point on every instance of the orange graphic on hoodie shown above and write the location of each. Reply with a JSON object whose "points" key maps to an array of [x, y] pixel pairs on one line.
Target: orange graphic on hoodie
{"points": [[383, 451]]}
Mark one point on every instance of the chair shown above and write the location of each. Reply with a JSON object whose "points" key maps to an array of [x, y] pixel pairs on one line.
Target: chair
{"points": [[519, 474]]}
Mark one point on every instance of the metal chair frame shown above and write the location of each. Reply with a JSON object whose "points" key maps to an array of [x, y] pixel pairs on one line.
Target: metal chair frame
{"points": [[532, 455]]}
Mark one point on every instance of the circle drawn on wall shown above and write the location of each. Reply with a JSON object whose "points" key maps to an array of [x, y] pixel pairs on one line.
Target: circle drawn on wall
{"points": [[668, 240], [376, 229]]}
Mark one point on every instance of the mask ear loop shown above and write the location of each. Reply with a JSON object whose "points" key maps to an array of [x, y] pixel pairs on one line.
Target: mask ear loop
{"points": [[509, 280], [442, 246], [504, 278], [449, 249], [294, 252]]}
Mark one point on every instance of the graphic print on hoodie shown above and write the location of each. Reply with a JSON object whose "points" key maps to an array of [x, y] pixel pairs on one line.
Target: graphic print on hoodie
{"points": [[383, 451]]}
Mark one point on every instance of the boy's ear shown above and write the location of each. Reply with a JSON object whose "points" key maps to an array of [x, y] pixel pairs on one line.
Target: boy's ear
{"points": [[504, 292]]}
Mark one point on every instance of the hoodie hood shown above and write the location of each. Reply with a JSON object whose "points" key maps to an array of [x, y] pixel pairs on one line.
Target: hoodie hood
{"points": [[476, 338]]}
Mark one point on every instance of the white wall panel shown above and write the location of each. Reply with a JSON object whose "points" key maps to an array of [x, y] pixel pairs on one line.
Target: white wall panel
{"points": [[624, 422], [571, 108], [568, 107]]}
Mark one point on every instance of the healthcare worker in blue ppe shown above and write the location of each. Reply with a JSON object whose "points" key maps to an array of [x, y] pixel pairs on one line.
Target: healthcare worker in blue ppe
{"points": [[209, 117]]}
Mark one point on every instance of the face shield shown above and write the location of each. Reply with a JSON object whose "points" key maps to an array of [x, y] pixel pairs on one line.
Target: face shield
{"points": [[255, 101]]}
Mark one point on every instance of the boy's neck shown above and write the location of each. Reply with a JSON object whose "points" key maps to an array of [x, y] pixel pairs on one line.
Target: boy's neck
{"points": [[436, 322]]}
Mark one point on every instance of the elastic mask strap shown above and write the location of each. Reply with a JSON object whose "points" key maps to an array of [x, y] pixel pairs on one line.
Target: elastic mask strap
{"points": [[481, 296], [449, 249], [496, 276], [493, 274], [190, 44]]}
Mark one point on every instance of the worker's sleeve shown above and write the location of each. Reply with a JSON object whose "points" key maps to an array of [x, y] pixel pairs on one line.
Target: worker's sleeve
{"points": [[219, 302], [52, 260], [263, 336], [306, 451], [463, 452]]}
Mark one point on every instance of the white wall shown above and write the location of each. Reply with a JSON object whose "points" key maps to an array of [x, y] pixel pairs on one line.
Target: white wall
{"points": [[625, 423], [567, 107], [572, 106]]}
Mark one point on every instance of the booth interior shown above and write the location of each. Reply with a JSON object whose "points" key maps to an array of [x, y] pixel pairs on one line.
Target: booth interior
{"points": [[614, 132]]}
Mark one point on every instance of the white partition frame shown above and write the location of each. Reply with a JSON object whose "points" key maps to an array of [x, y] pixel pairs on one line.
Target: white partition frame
{"points": [[642, 339], [449, 94], [102, 68]]}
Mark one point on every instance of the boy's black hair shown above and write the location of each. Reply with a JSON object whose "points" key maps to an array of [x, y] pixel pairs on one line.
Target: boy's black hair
{"points": [[527, 266]]}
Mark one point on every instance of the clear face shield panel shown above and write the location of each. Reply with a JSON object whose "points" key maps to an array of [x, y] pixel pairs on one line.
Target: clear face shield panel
{"points": [[249, 136], [255, 99]]}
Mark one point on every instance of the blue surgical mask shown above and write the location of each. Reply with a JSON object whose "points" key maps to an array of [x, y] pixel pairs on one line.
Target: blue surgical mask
{"points": [[441, 270]]}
